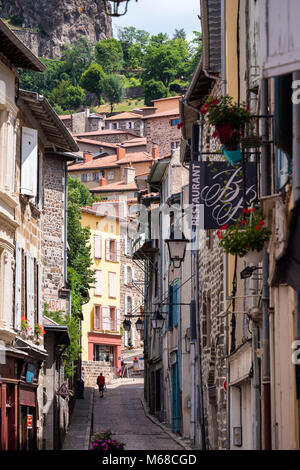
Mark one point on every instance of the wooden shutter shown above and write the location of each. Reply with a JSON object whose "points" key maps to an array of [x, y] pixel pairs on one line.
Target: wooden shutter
{"points": [[126, 246], [125, 305], [118, 252], [97, 246], [118, 319], [112, 285], [107, 249], [39, 293], [98, 285], [29, 155], [105, 318], [125, 274], [30, 291], [97, 317], [132, 275], [18, 288]]}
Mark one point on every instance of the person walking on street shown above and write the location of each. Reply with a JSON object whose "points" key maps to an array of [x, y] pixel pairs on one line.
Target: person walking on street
{"points": [[101, 383]]}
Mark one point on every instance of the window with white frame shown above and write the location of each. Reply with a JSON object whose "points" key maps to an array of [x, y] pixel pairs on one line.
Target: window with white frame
{"points": [[130, 125], [114, 125], [128, 275], [128, 304], [110, 175], [98, 282]]}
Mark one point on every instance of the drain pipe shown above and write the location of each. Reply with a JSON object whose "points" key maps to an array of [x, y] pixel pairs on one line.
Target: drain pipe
{"points": [[296, 193], [265, 190]]}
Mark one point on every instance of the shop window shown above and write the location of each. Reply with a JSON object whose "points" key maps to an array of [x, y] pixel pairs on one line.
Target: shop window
{"points": [[103, 353]]}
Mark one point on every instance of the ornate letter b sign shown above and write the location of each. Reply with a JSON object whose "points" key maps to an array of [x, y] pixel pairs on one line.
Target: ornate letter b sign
{"points": [[219, 188]]}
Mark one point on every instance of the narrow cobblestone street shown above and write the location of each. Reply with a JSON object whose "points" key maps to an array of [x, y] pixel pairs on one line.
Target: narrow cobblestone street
{"points": [[121, 411]]}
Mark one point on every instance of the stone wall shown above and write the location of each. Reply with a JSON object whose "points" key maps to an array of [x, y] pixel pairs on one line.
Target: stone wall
{"points": [[61, 22], [91, 370], [137, 130], [113, 138], [159, 131], [125, 289]]}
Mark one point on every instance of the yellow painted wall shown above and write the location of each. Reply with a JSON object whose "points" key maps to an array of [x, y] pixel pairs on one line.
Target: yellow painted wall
{"points": [[107, 228], [231, 48]]}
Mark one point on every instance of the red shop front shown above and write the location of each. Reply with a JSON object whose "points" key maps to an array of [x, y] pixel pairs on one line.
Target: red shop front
{"points": [[9, 404]]}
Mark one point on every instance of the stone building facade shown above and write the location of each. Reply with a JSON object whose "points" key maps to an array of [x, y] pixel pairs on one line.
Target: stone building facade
{"points": [[131, 299], [163, 132]]}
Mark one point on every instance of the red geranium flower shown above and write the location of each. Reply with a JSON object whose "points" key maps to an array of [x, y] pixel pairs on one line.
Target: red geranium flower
{"points": [[243, 222]]}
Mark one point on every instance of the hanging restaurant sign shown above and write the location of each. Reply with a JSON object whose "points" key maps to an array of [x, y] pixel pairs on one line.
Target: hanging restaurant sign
{"points": [[218, 188]]}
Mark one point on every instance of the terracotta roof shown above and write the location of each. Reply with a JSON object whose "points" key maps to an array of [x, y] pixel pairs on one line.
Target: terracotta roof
{"points": [[103, 132], [118, 186], [111, 161], [103, 162], [136, 157], [95, 142], [135, 142], [170, 112], [65, 116], [125, 115], [169, 98]]}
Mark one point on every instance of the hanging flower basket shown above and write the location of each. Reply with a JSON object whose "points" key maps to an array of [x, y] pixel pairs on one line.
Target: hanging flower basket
{"points": [[247, 236], [228, 118]]}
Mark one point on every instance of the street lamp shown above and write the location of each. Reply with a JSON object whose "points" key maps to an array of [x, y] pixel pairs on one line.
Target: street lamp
{"points": [[157, 321], [177, 248], [139, 324], [127, 325], [115, 7]]}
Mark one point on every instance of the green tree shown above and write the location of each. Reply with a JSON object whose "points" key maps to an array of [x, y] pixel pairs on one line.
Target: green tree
{"points": [[109, 55], [67, 96], [129, 37], [153, 91], [161, 63], [179, 34], [195, 52], [113, 89], [77, 58], [92, 79]]}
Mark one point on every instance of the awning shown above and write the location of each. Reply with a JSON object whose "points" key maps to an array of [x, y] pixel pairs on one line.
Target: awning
{"points": [[32, 350]]}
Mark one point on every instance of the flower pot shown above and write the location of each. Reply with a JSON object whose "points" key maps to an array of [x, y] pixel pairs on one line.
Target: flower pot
{"points": [[254, 257], [233, 156]]}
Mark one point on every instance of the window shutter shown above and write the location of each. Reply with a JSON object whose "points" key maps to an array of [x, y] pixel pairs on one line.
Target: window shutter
{"points": [[97, 317], [39, 293], [118, 252], [125, 274], [105, 319], [8, 280], [126, 246], [118, 319], [97, 246], [125, 305], [98, 285], [30, 291], [18, 287], [29, 162], [107, 249], [112, 285]]}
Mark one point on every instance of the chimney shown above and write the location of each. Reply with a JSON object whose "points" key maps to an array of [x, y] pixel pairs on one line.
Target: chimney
{"points": [[88, 157], [102, 182], [128, 175], [155, 152], [121, 153]]}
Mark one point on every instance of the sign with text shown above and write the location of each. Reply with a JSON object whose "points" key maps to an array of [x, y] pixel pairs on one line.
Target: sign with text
{"points": [[29, 421], [218, 188]]}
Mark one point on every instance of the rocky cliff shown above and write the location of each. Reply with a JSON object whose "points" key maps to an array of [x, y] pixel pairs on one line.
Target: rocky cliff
{"points": [[60, 21]]}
